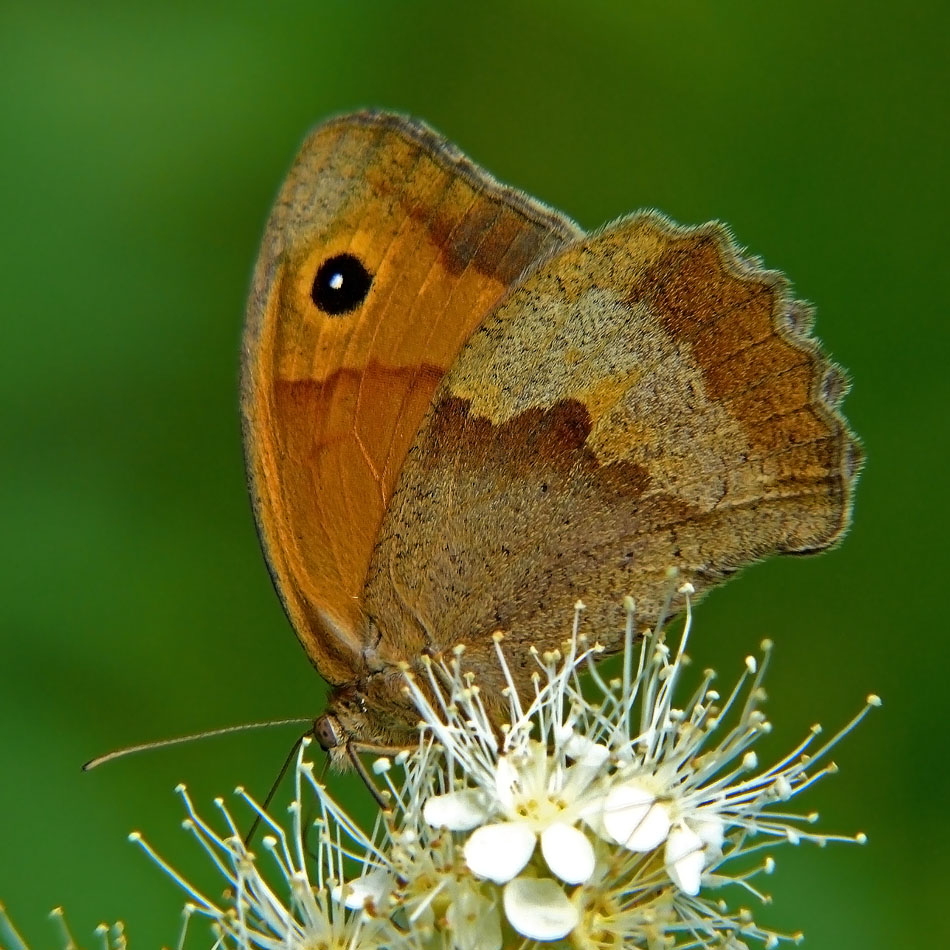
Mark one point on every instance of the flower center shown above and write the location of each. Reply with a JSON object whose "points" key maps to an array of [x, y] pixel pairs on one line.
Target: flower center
{"points": [[541, 811]]}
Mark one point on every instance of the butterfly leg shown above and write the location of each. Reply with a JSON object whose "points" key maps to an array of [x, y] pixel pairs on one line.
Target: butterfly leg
{"points": [[273, 790], [354, 749]]}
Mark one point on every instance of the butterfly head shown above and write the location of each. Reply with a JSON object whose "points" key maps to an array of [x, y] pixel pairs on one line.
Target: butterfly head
{"points": [[345, 722], [328, 732]]}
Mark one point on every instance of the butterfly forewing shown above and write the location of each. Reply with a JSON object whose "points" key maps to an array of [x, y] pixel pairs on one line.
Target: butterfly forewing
{"points": [[385, 249]]}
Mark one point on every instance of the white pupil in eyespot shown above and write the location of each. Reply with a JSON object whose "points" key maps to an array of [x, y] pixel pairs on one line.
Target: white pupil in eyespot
{"points": [[336, 281]]}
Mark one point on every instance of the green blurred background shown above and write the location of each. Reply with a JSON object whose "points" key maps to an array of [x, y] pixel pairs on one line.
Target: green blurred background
{"points": [[142, 144]]}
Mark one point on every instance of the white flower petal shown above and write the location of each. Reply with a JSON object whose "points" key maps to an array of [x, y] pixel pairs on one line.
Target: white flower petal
{"points": [[457, 811], [710, 828], [585, 750], [506, 778], [499, 851], [474, 921], [652, 831], [568, 852], [539, 909], [592, 814], [562, 733], [372, 887], [634, 818], [685, 859], [588, 765]]}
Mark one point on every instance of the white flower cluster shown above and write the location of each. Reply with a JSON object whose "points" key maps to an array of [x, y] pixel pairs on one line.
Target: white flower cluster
{"points": [[598, 817], [108, 937]]}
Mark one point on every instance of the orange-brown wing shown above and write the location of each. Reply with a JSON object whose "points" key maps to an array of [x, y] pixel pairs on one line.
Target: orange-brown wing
{"points": [[648, 398], [385, 249]]}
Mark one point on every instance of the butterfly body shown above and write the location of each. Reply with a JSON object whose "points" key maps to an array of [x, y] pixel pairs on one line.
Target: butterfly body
{"points": [[462, 414]]}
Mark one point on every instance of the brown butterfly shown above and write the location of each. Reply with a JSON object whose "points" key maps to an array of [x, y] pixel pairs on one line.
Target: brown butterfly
{"points": [[462, 413]]}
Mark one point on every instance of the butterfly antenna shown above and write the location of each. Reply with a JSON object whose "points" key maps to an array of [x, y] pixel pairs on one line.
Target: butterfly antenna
{"points": [[273, 789], [180, 740]]}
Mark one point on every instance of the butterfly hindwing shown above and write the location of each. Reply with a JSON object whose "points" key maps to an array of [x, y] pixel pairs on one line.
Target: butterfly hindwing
{"points": [[648, 398]]}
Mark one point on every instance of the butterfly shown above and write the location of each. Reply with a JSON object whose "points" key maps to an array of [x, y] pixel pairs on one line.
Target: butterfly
{"points": [[462, 413]]}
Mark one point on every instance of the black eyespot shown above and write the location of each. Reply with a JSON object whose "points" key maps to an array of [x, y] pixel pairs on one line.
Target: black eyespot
{"points": [[341, 284]]}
